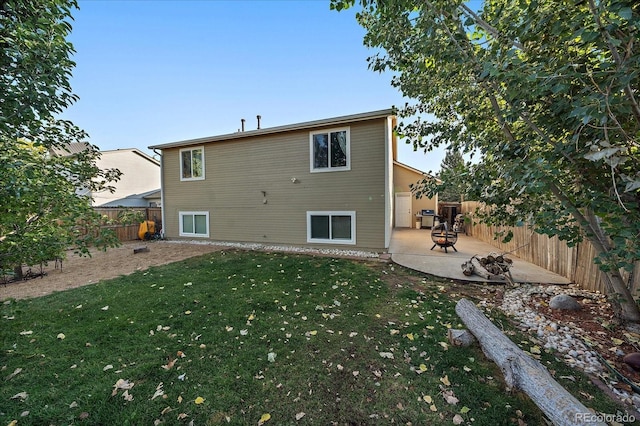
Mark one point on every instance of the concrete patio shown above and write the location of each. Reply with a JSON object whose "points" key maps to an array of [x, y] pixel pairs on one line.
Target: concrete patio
{"points": [[411, 248]]}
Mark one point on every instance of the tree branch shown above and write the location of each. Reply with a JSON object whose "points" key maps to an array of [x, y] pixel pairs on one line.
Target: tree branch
{"points": [[628, 91]]}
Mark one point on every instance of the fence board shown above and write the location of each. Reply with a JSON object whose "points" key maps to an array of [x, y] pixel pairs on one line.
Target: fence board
{"points": [[128, 232], [575, 263]]}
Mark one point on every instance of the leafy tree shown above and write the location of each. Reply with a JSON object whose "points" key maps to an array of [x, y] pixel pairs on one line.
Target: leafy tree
{"points": [[42, 215], [453, 173], [546, 91]]}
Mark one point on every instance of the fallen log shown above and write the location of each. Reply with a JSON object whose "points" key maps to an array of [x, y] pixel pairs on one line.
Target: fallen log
{"points": [[523, 373], [473, 266], [460, 337]]}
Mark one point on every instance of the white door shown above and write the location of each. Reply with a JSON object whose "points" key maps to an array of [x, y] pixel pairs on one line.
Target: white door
{"points": [[403, 210]]}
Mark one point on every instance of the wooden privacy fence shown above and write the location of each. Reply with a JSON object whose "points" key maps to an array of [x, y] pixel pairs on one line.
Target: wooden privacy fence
{"points": [[128, 232], [575, 263]]}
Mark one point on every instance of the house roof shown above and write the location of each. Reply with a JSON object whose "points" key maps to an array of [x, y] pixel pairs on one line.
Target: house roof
{"points": [[68, 149], [133, 151], [414, 170], [335, 121]]}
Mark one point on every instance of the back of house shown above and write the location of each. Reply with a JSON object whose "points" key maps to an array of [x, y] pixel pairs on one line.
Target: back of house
{"points": [[324, 183]]}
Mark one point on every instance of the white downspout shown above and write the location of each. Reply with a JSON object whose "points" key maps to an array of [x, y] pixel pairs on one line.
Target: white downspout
{"points": [[162, 203]]}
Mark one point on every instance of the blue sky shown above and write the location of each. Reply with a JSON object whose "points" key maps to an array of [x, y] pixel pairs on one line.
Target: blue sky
{"points": [[151, 72]]}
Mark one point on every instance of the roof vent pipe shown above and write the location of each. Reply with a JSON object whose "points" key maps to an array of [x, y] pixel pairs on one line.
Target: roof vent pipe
{"points": [[242, 121], [259, 117]]}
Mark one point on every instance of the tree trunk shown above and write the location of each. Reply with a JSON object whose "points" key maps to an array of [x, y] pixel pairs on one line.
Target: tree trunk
{"points": [[523, 373]]}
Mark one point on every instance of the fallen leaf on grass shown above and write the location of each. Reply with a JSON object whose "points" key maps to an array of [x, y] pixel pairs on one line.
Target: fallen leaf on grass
{"points": [[388, 355], [127, 396], [433, 408], [61, 336], [105, 308], [107, 367], [264, 418], [445, 380], [300, 415], [121, 384], [14, 374], [21, 396], [444, 345], [158, 392], [170, 364], [199, 400], [465, 410], [182, 416], [73, 405], [26, 332], [427, 399], [410, 336], [457, 419], [422, 368], [450, 398], [617, 342], [271, 357]]}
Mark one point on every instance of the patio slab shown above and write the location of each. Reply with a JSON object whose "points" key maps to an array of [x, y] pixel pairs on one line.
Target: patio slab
{"points": [[411, 248]]}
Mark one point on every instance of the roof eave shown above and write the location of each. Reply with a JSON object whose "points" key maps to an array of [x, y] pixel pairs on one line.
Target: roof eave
{"points": [[335, 121]]}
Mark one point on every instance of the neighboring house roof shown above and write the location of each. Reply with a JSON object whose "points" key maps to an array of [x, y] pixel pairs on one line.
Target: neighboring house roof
{"points": [[152, 194], [134, 200], [68, 149], [414, 170], [336, 121], [133, 151]]}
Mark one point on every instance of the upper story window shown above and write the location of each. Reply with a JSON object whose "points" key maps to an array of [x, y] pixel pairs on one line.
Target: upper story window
{"points": [[192, 163], [330, 150]]}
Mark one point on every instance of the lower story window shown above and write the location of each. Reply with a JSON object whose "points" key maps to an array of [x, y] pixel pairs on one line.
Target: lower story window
{"points": [[194, 224], [331, 227]]}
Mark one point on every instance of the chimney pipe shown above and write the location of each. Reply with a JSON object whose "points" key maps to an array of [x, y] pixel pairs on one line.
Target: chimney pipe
{"points": [[259, 117], [242, 121]]}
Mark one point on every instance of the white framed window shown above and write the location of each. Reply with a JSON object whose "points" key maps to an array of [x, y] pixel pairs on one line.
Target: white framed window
{"points": [[192, 163], [332, 227], [330, 150], [194, 224]]}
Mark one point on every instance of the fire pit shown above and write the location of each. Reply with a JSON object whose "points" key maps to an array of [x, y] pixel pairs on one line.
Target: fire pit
{"points": [[442, 237]]}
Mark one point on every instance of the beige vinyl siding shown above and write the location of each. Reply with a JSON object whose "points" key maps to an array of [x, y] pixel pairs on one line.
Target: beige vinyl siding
{"points": [[402, 178], [237, 173], [140, 174]]}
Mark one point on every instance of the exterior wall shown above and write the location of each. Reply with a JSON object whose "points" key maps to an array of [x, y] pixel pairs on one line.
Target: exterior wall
{"points": [[250, 194], [402, 178], [139, 176]]}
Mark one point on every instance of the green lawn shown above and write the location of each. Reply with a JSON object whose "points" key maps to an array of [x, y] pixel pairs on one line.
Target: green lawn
{"points": [[236, 337]]}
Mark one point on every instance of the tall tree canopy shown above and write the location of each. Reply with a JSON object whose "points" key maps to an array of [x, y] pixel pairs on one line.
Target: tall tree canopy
{"points": [[453, 175], [42, 213], [546, 91]]}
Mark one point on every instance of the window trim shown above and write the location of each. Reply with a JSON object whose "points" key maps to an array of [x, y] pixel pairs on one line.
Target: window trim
{"points": [[181, 232], [328, 132], [330, 213], [191, 149]]}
